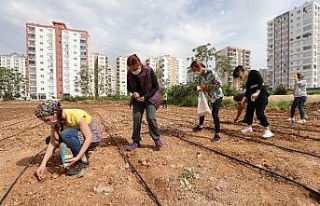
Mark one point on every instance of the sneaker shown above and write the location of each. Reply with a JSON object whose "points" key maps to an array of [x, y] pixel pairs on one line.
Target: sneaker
{"points": [[242, 122], [158, 143], [133, 146], [247, 130], [267, 134], [198, 128], [216, 138], [77, 168], [302, 121], [290, 119]]}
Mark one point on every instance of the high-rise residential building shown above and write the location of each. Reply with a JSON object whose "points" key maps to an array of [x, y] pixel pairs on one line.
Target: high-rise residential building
{"points": [[169, 70], [111, 80], [293, 45], [16, 62], [152, 62], [267, 76], [181, 71], [235, 56], [121, 76], [98, 65], [55, 56], [166, 70]]}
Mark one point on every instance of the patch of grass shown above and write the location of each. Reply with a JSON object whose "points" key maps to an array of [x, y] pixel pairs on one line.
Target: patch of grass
{"points": [[280, 106], [228, 103], [187, 178]]}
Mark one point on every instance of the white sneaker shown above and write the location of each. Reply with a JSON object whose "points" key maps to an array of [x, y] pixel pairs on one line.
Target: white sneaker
{"points": [[247, 130], [290, 119], [267, 134], [302, 121]]}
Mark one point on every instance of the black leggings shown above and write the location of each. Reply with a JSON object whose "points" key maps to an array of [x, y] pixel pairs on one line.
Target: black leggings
{"points": [[215, 115], [259, 106]]}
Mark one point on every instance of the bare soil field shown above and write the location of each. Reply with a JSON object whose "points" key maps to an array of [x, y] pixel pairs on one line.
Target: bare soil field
{"points": [[190, 169]]}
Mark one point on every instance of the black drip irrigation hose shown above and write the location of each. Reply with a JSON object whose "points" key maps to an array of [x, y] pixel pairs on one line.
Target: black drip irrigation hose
{"points": [[10, 136], [315, 194], [151, 194], [8, 190], [271, 144], [280, 132], [9, 125], [232, 135]]}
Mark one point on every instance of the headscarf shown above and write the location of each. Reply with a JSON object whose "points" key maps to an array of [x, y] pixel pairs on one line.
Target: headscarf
{"points": [[47, 108]]}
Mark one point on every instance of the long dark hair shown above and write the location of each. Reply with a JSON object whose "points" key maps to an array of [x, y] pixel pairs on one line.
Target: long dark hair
{"points": [[133, 60], [59, 127], [197, 64]]}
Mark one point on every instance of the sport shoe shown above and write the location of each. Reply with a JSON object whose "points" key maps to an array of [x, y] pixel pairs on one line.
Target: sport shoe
{"points": [[198, 128], [247, 130], [133, 146], [77, 168], [302, 121], [290, 119], [216, 138], [158, 143], [267, 134]]}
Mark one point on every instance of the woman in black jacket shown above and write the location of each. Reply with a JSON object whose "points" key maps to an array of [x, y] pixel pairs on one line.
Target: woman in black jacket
{"points": [[256, 96], [143, 84]]}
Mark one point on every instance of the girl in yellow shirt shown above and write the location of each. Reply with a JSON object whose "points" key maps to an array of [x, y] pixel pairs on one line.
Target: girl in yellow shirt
{"points": [[74, 127]]}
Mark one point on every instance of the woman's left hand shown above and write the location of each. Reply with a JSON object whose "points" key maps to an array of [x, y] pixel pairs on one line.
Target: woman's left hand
{"points": [[141, 99], [72, 161]]}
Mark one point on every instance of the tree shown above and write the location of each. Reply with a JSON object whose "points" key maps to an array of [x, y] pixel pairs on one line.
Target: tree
{"points": [[280, 90], [204, 53], [223, 66], [11, 82], [84, 80]]}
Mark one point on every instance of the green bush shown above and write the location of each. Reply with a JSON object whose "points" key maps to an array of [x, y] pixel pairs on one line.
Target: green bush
{"points": [[284, 105], [183, 95], [8, 96], [281, 90], [229, 90], [228, 103]]}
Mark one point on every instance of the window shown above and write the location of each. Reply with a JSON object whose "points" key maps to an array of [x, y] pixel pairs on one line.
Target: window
{"points": [[41, 62], [41, 43], [306, 47], [41, 30], [41, 49], [307, 67]]}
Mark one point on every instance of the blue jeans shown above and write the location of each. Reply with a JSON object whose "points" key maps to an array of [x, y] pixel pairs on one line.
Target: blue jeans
{"points": [[70, 137], [298, 102]]}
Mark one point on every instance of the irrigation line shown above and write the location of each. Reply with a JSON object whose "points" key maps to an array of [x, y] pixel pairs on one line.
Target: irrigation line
{"points": [[9, 125], [149, 191], [314, 193], [233, 136], [6, 193], [10, 136]]}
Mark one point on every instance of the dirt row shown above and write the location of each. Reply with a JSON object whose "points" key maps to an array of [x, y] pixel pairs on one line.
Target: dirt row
{"points": [[180, 174]]}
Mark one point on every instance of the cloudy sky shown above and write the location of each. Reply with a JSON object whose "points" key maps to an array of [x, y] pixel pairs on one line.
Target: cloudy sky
{"points": [[149, 27]]}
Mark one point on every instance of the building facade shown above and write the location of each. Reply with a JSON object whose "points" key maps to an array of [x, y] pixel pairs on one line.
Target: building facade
{"points": [[235, 56], [111, 80], [55, 56], [121, 76], [17, 63], [293, 45], [98, 67]]}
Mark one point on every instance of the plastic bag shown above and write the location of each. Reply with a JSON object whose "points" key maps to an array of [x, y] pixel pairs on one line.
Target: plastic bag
{"points": [[203, 107]]}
